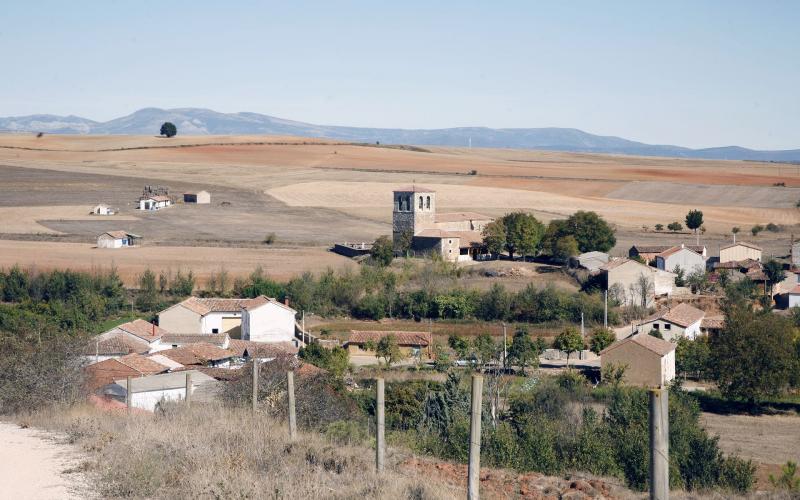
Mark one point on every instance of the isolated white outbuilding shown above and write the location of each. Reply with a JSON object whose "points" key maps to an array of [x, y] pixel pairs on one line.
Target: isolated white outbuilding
{"points": [[117, 239]]}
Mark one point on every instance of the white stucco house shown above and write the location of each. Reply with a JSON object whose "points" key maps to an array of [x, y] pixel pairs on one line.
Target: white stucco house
{"points": [[154, 202], [673, 323], [117, 239], [268, 320], [147, 392], [102, 209], [260, 319], [681, 257]]}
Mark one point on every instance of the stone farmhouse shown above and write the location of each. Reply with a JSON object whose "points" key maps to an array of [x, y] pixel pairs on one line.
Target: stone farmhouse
{"points": [[412, 344], [676, 322], [737, 252], [650, 361], [118, 239], [415, 223]]}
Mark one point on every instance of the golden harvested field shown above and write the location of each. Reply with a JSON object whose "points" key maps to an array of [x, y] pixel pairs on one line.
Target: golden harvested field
{"points": [[311, 193], [279, 263]]}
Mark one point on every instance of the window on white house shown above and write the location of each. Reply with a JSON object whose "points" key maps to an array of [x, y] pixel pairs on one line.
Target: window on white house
{"points": [[215, 330], [667, 326], [655, 326]]}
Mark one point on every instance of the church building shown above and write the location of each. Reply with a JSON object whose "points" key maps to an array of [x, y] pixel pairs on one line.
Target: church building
{"points": [[416, 226]]}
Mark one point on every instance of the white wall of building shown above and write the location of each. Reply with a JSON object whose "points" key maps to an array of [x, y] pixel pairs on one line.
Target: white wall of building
{"points": [[213, 321], [147, 400], [688, 260], [268, 323], [794, 299]]}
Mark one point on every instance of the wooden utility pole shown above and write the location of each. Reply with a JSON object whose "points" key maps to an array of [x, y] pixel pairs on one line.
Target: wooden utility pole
{"points": [[290, 388], [128, 394], [505, 350], [659, 444], [473, 481], [605, 309], [255, 384], [380, 443], [188, 396]]}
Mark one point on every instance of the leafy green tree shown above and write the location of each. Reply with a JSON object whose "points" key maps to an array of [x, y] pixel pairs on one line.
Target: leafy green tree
{"points": [[459, 345], [523, 351], [569, 341], [382, 251], [775, 273], [147, 295], [494, 237], [590, 231], [601, 338], [699, 281], [523, 233], [495, 304], [441, 361], [169, 129], [655, 333], [484, 349], [680, 276], [756, 229], [674, 226], [692, 357], [694, 219], [789, 479], [659, 227], [735, 230], [388, 349], [753, 355], [335, 360], [565, 247]]}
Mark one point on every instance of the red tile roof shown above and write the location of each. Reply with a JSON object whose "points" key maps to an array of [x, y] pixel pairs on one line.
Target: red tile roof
{"points": [[203, 306], [403, 338], [682, 315], [142, 364], [653, 344], [197, 354], [143, 329], [115, 344]]}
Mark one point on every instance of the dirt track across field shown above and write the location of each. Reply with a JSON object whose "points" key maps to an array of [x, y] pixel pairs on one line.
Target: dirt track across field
{"points": [[32, 466]]}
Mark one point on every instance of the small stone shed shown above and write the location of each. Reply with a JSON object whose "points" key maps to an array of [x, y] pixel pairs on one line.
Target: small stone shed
{"points": [[200, 197], [649, 361]]}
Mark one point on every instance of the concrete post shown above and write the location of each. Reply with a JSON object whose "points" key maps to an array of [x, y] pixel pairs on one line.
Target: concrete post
{"points": [[255, 384], [128, 394], [292, 422], [380, 443], [659, 444], [188, 395], [473, 483]]}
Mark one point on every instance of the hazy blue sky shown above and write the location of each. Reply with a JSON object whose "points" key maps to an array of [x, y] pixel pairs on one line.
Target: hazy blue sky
{"points": [[691, 73]]}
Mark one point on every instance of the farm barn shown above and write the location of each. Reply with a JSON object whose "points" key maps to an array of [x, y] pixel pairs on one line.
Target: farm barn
{"points": [[200, 197], [650, 361], [117, 239], [681, 257], [738, 252]]}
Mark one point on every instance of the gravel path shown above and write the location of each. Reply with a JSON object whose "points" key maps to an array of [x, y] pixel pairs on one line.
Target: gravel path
{"points": [[31, 465]]}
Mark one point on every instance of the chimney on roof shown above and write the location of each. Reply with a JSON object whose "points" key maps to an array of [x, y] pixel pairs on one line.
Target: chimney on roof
{"points": [[683, 246]]}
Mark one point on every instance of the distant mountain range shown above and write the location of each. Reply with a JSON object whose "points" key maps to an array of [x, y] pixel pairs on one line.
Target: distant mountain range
{"points": [[196, 121]]}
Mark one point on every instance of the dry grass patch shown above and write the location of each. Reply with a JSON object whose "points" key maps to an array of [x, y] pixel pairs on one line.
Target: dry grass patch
{"points": [[216, 452], [24, 220]]}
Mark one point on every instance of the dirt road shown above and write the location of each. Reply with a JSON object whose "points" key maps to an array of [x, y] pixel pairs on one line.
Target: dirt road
{"points": [[31, 466]]}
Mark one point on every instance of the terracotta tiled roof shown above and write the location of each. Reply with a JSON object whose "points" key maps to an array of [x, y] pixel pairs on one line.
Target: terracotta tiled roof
{"points": [[466, 238], [460, 216], [261, 349], [203, 306], [163, 360], [663, 248], [403, 338], [217, 339], [262, 300], [682, 315], [197, 354], [756, 274], [742, 243], [143, 329], [713, 322], [142, 364], [653, 344], [115, 344]]}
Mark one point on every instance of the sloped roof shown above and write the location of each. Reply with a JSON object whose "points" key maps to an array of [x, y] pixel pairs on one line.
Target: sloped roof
{"points": [[143, 330], [175, 380], [460, 216], [115, 344], [713, 322], [217, 339], [466, 238], [663, 248], [414, 189], [163, 360], [403, 338], [142, 364], [262, 300], [682, 315], [618, 262], [673, 250], [741, 243], [120, 234], [203, 306], [652, 344], [197, 354], [261, 349]]}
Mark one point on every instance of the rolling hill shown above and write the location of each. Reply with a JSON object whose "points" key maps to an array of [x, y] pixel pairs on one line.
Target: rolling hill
{"points": [[197, 121]]}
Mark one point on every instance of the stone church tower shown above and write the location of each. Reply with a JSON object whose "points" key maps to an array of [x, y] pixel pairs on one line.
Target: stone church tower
{"points": [[414, 211]]}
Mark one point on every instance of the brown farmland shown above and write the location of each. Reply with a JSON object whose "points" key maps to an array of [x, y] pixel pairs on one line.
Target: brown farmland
{"points": [[310, 193]]}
